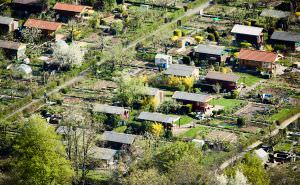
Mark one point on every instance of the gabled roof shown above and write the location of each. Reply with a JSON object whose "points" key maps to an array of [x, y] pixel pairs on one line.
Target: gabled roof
{"points": [[286, 36], [11, 45], [257, 55], [102, 153], [228, 77], [179, 95], [6, 20], [246, 30], [275, 13], [210, 49], [109, 109], [118, 137], [180, 70], [43, 25], [69, 7], [158, 117]]}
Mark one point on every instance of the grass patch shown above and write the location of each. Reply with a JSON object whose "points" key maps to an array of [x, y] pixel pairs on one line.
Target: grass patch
{"points": [[120, 129], [283, 147], [248, 79], [284, 114], [226, 103], [184, 120], [197, 131]]}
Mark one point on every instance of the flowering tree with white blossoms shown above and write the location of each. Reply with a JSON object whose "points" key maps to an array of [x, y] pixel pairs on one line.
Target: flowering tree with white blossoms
{"points": [[71, 55]]}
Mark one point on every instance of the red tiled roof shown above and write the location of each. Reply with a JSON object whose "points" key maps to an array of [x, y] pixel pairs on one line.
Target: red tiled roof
{"points": [[257, 55], [43, 25], [69, 7]]}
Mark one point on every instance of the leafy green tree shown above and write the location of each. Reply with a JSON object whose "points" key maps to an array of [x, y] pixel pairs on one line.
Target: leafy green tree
{"points": [[148, 176], [39, 156]]}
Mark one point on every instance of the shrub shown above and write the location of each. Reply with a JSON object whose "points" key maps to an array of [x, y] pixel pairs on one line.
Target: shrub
{"points": [[234, 94], [240, 121], [184, 32], [174, 38], [279, 47], [198, 38], [186, 60], [211, 29], [217, 36], [177, 33], [246, 45], [268, 48], [211, 37], [247, 23]]}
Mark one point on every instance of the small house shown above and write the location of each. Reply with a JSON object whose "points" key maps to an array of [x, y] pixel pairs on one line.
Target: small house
{"points": [[47, 27], [199, 101], [257, 60], [180, 70], [25, 7], [117, 140], [227, 81], [8, 24], [290, 39], [262, 155], [251, 34], [102, 157], [213, 54], [108, 109], [163, 60], [13, 49], [64, 11], [166, 120]]}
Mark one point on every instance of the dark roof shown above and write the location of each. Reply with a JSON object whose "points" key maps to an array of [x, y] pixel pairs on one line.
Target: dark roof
{"points": [[179, 95], [228, 77], [109, 109], [275, 13], [6, 20], [69, 7], [286, 36], [43, 25], [257, 55], [27, 1], [119, 137], [210, 49], [180, 70], [158, 117], [102, 153], [246, 30], [11, 45]]}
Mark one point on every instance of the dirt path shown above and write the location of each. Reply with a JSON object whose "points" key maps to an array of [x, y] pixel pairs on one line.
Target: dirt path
{"points": [[257, 143]]}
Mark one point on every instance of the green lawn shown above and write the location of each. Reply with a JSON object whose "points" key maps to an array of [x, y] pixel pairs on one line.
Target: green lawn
{"points": [[197, 131], [184, 120], [227, 103], [248, 79], [283, 114], [283, 146]]}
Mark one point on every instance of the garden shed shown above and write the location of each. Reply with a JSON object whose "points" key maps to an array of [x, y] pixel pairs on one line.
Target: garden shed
{"points": [[47, 27], [163, 60], [166, 120], [182, 71], [117, 140], [66, 11], [290, 39], [8, 24], [25, 7], [211, 53], [106, 155], [13, 49], [108, 109], [257, 59], [199, 102], [228, 81], [251, 34]]}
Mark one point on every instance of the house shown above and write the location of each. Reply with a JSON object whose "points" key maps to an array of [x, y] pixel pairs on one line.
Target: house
{"points": [[155, 93], [166, 120], [23, 8], [104, 156], [262, 155], [290, 39], [108, 109], [47, 27], [117, 140], [257, 60], [13, 49], [180, 70], [8, 24], [211, 53], [65, 11], [199, 101], [163, 60], [251, 34], [227, 81]]}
